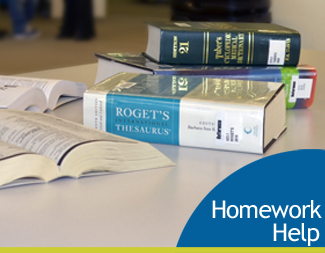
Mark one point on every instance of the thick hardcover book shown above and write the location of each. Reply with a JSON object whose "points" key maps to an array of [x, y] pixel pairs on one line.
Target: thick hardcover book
{"points": [[300, 81], [223, 43], [36, 147], [235, 115]]}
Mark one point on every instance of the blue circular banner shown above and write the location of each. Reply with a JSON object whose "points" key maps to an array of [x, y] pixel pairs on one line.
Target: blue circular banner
{"points": [[277, 201]]}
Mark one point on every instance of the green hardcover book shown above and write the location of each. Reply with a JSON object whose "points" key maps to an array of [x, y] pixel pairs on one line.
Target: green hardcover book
{"points": [[222, 43]]}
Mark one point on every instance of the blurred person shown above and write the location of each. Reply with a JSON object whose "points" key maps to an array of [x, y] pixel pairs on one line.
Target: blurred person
{"points": [[3, 6], [44, 8], [78, 20], [22, 12], [3, 33]]}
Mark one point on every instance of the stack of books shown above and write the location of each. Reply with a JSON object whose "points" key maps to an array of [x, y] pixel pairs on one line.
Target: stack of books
{"points": [[203, 84]]}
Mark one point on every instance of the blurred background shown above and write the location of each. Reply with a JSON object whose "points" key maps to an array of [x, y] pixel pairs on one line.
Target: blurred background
{"points": [[119, 24], [120, 27]]}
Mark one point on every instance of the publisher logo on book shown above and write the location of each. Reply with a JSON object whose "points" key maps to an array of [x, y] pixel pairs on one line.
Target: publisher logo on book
{"points": [[247, 130], [219, 130]]}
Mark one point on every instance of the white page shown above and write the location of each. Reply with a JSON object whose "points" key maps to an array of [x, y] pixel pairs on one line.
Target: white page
{"points": [[21, 98], [47, 135], [9, 94], [7, 150], [46, 85]]}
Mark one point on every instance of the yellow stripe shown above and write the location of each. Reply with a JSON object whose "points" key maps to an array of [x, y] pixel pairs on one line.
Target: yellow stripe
{"points": [[164, 250], [203, 48], [253, 37], [206, 86], [249, 48], [207, 52]]}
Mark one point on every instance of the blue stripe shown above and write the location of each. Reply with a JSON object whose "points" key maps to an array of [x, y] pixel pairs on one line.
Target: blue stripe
{"points": [[147, 119]]}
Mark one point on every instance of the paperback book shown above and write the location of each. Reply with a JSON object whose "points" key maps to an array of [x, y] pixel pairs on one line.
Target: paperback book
{"points": [[223, 43], [234, 115], [300, 81], [35, 94], [37, 147]]}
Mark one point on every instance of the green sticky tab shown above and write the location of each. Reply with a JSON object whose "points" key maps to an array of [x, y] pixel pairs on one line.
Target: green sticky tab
{"points": [[287, 73]]}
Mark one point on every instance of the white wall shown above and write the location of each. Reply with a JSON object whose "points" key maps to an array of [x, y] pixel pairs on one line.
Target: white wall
{"points": [[306, 16], [99, 8]]}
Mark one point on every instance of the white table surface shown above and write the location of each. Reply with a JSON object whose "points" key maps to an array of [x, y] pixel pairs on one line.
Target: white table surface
{"points": [[144, 208]]}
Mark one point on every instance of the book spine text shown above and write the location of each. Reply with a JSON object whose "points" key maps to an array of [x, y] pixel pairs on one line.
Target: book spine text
{"points": [[229, 48], [300, 83], [184, 122]]}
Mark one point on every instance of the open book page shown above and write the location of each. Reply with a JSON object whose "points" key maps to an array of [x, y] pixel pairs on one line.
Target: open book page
{"points": [[45, 85], [19, 166], [63, 100], [22, 98], [52, 88], [59, 148], [7, 150], [47, 135]]}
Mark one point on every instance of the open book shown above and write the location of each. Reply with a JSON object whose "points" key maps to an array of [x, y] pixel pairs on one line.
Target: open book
{"points": [[37, 147], [34, 94]]}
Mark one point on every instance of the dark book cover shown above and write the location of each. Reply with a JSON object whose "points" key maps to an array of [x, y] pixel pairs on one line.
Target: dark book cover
{"points": [[223, 43]]}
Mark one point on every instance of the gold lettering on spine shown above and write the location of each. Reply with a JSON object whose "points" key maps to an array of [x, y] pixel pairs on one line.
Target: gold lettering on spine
{"points": [[175, 47], [234, 48], [204, 35], [227, 48], [288, 49], [184, 47], [219, 47], [207, 48], [241, 43]]}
